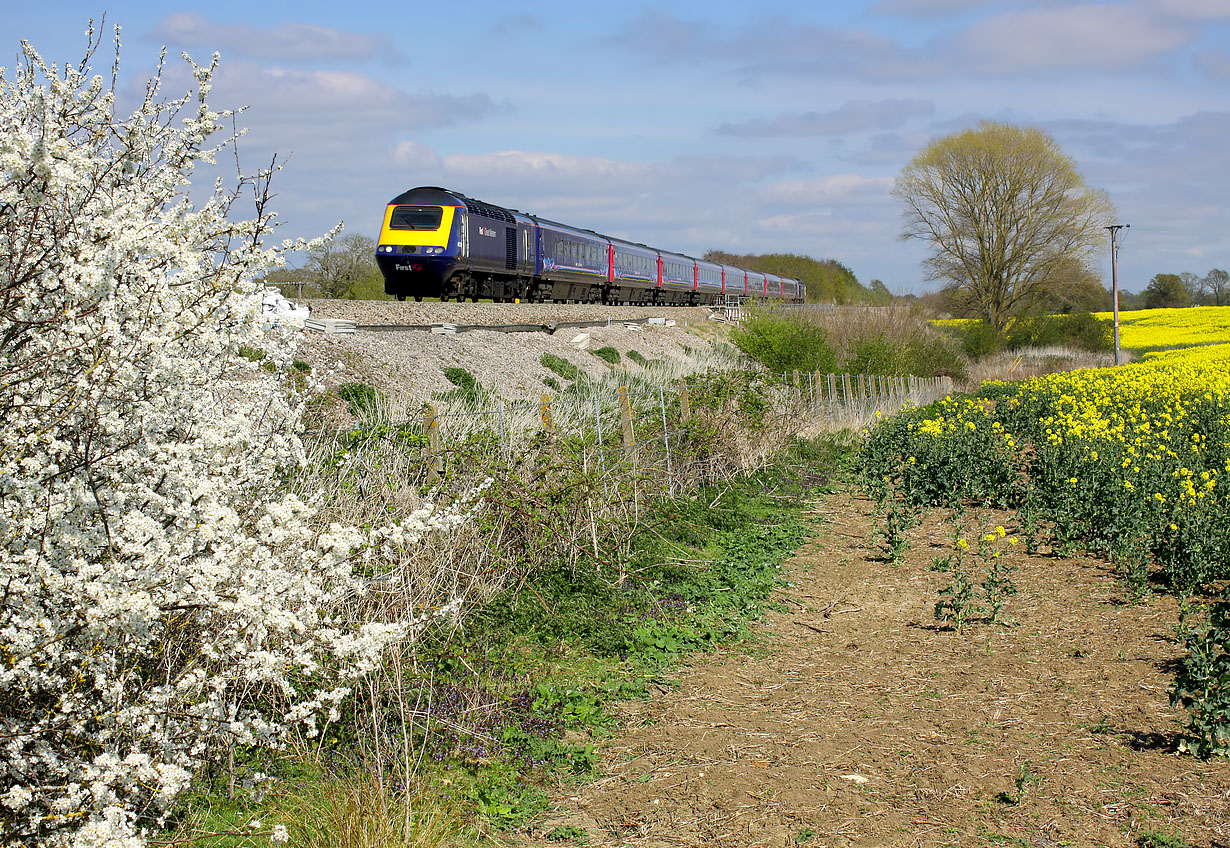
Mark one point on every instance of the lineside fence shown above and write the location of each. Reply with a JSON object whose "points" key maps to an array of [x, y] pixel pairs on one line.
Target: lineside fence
{"points": [[649, 425]]}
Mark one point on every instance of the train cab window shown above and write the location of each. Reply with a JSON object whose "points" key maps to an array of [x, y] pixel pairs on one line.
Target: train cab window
{"points": [[416, 218]]}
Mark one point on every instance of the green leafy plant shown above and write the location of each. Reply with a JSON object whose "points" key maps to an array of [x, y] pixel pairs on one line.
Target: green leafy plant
{"points": [[468, 388], [963, 599], [361, 398], [782, 342], [568, 833], [957, 600], [1025, 780], [252, 354], [1160, 839], [895, 517], [561, 366], [607, 354], [637, 357], [1202, 684]]}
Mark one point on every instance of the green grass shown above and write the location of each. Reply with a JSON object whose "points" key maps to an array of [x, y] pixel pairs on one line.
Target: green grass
{"points": [[607, 354], [562, 367]]}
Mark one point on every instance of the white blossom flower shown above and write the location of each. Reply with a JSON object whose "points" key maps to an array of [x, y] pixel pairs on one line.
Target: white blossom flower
{"points": [[165, 594]]}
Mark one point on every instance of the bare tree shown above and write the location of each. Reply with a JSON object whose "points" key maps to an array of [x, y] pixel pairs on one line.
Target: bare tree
{"points": [[1005, 213], [1215, 287], [341, 265], [1191, 282]]}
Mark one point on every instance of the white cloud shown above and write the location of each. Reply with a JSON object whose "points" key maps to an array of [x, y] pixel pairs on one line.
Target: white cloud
{"points": [[288, 42], [1102, 36], [851, 117], [776, 46], [347, 106], [836, 189]]}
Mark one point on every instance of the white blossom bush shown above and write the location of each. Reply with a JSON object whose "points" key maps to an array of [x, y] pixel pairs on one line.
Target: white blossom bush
{"points": [[163, 593]]}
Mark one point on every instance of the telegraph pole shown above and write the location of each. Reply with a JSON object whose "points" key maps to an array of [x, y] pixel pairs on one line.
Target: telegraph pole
{"points": [[1114, 276]]}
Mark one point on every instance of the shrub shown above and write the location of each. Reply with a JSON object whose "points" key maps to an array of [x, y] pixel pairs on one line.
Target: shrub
{"points": [[1088, 332], [468, 388], [1079, 330], [979, 339], [168, 599], [783, 342], [637, 357], [875, 355]]}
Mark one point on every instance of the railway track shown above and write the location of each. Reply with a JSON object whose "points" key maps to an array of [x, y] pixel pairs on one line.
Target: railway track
{"points": [[500, 328], [389, 316]]}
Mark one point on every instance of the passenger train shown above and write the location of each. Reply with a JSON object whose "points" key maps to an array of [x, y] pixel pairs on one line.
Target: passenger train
{"points": [[440, 243]]}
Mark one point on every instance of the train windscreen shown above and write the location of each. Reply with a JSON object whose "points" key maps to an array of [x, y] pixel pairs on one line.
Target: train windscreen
{"points": [[416, 218]]}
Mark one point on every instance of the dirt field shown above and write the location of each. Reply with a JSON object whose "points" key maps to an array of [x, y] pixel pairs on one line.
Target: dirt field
{"points": [[853, 720]]}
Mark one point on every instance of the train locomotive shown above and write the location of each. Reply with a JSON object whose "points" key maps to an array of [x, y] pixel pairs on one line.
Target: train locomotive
{"points": [[440, 243]]}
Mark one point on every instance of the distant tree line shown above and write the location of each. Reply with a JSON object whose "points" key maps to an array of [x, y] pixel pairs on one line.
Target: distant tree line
{"points": [[1186, 289], [826, 280]]}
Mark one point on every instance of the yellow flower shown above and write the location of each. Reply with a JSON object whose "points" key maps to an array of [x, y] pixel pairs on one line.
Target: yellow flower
{"points": [[1000, 531], [962, 544]]}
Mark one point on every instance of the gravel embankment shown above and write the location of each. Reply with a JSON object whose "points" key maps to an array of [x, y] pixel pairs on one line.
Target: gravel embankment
{"points": [[409, 365], [389, 312]]}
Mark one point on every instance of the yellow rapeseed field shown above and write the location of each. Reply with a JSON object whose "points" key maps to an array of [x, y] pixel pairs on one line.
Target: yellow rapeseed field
{"points": [[1155, 329], [1131, 461], [1150, 329]]}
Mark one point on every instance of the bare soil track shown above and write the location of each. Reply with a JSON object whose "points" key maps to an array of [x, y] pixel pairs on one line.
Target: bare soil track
{"points": [[853, 720]]}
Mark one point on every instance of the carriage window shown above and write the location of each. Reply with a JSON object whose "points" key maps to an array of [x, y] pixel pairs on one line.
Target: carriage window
{"points": [[416, 218]]}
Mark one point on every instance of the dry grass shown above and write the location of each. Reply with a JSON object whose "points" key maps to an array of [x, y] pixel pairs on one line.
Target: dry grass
{"points": [[847, 325], [1034, 362], [360, 813]]}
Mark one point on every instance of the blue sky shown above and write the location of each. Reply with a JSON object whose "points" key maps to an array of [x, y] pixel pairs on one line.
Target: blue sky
{"points": [[751, 127]]}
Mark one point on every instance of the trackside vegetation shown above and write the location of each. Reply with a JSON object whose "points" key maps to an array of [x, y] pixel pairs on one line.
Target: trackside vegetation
{"points": [[1131, 463], [878, 341], [458, 736]]}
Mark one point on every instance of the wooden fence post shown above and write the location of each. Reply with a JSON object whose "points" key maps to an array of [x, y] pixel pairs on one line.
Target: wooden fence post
{"points": [[548, 420], [431, 429], [685, 401], [625, 418]]}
